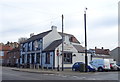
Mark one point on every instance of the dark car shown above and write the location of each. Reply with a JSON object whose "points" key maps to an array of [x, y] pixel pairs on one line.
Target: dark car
{"points": [[78, 66]]}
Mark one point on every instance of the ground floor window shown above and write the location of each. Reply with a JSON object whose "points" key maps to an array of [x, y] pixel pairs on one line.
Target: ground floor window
{"points": [[32, 58], [68, 58], [23, 58], [47, 58], [38, 58], [28, 58]]}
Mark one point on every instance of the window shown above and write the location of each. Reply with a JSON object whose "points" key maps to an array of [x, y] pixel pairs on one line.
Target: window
{"points": [[1, 53], [23, 47], [28, 58], [39, 44], [38, 58], [23, 58], [29, 45], [32, 58], [68, 58], [76, 63], [47, 58]]}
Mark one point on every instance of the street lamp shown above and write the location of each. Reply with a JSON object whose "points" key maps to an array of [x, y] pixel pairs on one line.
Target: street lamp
{"points": [[86, 61]]}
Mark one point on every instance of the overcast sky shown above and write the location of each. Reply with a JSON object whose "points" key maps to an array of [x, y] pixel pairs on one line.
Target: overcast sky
{"points": [[19, 18]]}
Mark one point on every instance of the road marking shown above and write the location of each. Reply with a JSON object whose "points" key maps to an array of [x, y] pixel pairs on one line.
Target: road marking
{"points": [[64, 76], [51, 74], [83, 77], [75, 76], [45, 74]]}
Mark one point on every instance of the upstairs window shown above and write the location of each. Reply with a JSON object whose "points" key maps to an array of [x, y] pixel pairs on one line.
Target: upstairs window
{"points": [[1, 53], [74, 40]]}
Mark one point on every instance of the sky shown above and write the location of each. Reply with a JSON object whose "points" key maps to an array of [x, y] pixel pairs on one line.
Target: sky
{"points": [[20, 18]]}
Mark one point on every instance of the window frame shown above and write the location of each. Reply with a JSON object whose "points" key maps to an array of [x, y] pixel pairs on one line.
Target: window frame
{"points": [[67, 58], [47, 59]]}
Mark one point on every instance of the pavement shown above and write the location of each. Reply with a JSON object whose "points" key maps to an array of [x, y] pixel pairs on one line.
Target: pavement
{"points": [[50, 71]]}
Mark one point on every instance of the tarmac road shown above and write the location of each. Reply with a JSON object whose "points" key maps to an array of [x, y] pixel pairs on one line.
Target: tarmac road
{"points": [[9, 74]]}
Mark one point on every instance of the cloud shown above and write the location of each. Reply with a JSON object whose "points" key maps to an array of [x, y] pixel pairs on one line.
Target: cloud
{"points": [[105, 22], [23, 17]]}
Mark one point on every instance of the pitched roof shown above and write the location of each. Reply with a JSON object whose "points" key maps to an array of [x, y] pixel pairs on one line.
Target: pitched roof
{"points": [[72, 37], [102, 51], [15, 49], [53, 45], [107, 56], [79, 48], [115, 48], [41, 35], [5, 48]]}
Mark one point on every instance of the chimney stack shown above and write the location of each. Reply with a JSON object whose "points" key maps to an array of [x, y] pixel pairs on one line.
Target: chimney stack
{"points": [[102, 48], [95, 47], [54, 28], [32, 34]]}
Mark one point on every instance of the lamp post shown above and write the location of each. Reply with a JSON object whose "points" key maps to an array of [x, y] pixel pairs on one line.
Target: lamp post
{"points": [[86, 61]]}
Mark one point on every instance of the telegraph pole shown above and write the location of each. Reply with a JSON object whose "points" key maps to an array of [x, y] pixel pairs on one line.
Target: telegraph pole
{"points": [[86, 61], [62, 45]]}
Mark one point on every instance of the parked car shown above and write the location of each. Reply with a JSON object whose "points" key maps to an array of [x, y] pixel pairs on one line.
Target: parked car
{"points": [[78, 66], [101, 64], [91, 68], [114, 66], [118, 64]]}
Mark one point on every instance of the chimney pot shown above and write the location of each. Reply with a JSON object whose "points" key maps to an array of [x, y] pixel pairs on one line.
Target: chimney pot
{"points": [[95, 47], [102, 48]]}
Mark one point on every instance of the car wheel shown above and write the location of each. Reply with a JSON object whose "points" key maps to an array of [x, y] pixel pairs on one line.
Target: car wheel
{"points": [[73, 69], [88, 70], [100, 69]]}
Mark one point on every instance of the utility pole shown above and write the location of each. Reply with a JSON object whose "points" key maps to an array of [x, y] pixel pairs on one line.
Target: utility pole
{"points": [[62, 45], [58, 59], [86, 61]]}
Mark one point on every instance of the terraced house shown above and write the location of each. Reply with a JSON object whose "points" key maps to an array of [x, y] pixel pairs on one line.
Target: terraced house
{"points": [[44, 50]]}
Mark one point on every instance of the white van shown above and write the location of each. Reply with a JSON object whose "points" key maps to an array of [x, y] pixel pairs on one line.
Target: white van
{"points": [[101, 64]]}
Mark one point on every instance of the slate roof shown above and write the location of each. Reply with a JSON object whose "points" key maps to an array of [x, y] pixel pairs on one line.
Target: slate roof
{"points": [[79, 48], [53, 45], [41, 35]]}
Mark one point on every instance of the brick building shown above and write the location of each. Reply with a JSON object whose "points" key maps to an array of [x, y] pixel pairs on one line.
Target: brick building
{"points": [[4, 49], [13, 57]]}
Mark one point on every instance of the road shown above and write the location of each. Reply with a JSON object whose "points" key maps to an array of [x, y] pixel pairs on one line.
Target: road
{"points": [[8, 74]]}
